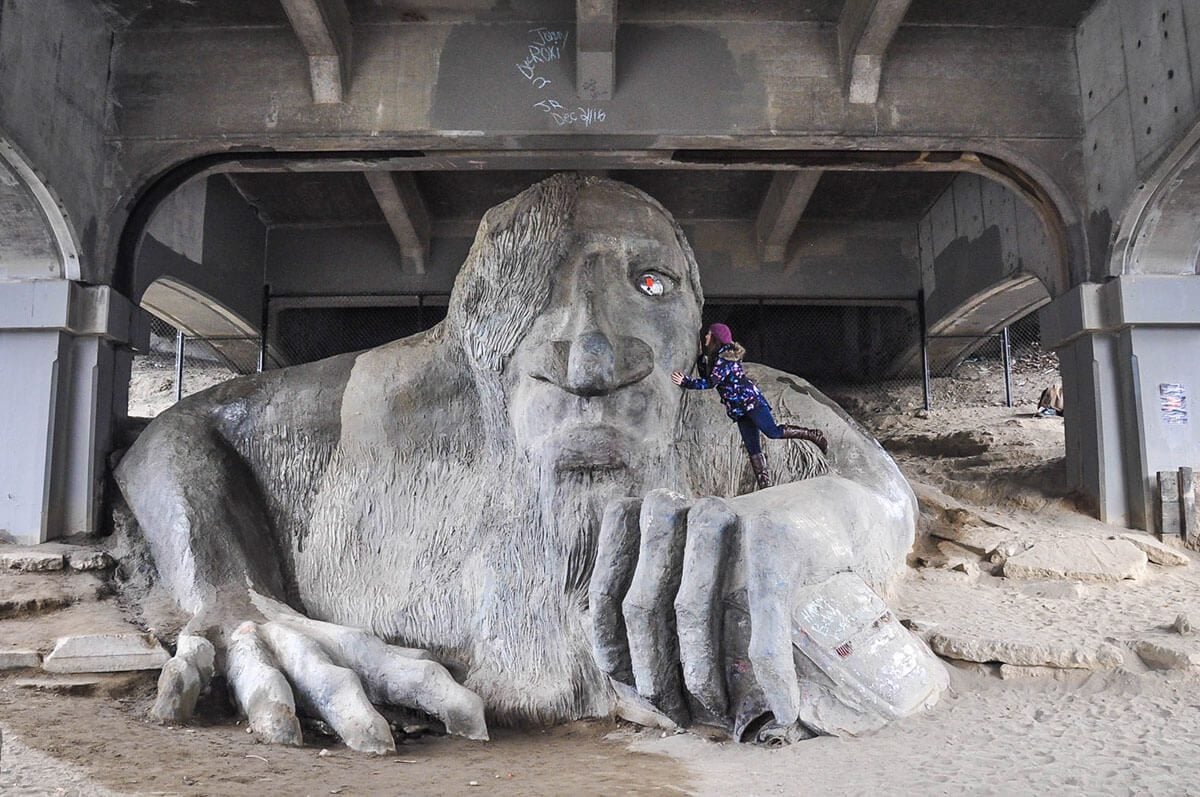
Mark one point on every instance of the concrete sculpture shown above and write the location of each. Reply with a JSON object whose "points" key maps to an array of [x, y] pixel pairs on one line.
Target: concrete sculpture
{"points": [[523, 495]]}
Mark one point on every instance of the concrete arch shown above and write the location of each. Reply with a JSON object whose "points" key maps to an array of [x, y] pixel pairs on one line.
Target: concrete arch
{"points": [[1159, 233], [960, 332], [37, 241], [199, 315], [1008, 166]]}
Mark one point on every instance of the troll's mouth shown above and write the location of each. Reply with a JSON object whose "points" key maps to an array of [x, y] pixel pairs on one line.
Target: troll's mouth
{"points": [[589, 447]]}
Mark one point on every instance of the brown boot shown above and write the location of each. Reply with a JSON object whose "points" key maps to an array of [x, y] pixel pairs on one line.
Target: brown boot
{"points": [[758, 463], [802, 433]]}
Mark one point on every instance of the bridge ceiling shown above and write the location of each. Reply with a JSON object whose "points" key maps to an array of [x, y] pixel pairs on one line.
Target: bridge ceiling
{"points": [[332, 198], [238, 13]]}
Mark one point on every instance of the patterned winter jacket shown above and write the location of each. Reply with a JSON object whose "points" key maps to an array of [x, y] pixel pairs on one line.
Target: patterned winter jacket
{"points": [[738, 392]]}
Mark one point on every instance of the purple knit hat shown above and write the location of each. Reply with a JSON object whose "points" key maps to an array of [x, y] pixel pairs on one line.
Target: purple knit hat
{"points": [[721, 334]]}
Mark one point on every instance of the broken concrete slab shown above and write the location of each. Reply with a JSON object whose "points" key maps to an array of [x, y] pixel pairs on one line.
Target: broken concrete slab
{"points": [[106, 653], [1165, 656], [1018, 672], [957, 558], [31, 558], [37, 603], [981, 540], [28, 594], [947, 511], [1100, 656], [1156, 551], [1079, 559], [78, 685], [54, 556], [19, 659], [108, 684], [88, 560]]}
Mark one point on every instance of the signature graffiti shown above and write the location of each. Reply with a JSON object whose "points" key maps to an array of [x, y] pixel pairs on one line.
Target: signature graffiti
{"points": [[544, 46], [564, 116]]}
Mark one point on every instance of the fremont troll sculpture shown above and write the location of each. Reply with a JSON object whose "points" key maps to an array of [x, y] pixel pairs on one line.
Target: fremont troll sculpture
{"points": [[522, 496]]}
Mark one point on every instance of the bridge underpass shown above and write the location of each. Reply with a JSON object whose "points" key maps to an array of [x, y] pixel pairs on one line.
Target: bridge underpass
{"points": [[767, 115]]}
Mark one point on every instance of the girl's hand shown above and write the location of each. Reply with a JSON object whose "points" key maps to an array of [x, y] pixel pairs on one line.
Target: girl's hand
{"points": [[677, 377]]}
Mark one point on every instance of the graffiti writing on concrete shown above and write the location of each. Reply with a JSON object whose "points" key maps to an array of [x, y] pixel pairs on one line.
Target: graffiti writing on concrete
{"points": [[545, 46], [569, 116], [1173, 403]]}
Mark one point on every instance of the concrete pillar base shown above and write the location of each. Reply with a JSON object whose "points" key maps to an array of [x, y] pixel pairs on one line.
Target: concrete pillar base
{"points": [[1128, 350], [58, 349]]}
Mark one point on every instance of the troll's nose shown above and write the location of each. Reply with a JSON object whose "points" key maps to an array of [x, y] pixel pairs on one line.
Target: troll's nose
{"points": [[591, 365]]}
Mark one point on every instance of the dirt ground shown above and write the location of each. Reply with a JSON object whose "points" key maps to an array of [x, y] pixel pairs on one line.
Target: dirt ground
{"points": [[1126, 730]]}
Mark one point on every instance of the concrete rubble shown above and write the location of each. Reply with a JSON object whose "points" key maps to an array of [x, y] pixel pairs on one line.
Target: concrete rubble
{"points": [[19, 659], [1166, 656], [1157, 552], [982, 540], [53, 556], [106, 653], [31, 559], [1019, 672], [1101, 656], [1079, 559]]}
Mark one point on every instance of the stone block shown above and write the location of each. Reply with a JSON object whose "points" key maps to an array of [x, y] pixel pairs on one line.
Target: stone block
{"points": [[30, 558], [1166, 509], [19, 659], [1101, 656], [83, 560], [1157, 552], [1018, 672], [977, 539], [1164, 656], [1079, 559], [106, 653], [1189, 520], [106, 684], [77, 686]]}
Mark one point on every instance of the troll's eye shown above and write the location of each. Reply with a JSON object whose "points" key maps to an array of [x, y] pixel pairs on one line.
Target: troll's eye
{"points": [[652, 283]]}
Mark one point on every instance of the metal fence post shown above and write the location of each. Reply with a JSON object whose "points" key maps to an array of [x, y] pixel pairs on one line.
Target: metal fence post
{"points": [[1006, 357], [925, 381], [179, 339], [264, 322]]}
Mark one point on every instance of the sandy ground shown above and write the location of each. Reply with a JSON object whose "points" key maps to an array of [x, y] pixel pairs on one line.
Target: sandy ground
{"points": [[1130, 730], [152, 382]]}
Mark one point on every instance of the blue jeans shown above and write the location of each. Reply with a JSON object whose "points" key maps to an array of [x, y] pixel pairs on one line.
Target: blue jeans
{"points": [[758, 420]]}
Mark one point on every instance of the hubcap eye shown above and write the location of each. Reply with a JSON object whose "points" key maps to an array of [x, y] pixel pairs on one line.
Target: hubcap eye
{"points": [[650, 285]]}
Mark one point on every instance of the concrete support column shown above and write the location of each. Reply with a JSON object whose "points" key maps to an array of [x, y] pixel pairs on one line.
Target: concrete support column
{"points": [[1128, 350], [58, 355]]}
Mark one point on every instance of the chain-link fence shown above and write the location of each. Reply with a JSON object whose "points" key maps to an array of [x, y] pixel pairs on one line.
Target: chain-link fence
{"points": [[868, 355], [179, 365], [1009, 368]]}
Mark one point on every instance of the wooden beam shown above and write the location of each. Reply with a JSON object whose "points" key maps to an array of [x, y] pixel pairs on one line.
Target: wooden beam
{"points": [[595, 46], [781, 211], [402, 206], [323, 28], [865, 29]]}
